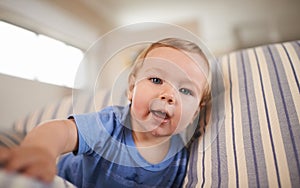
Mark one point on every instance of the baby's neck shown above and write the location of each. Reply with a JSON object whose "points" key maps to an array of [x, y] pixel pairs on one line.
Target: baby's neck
{"points": [[153, 149]]}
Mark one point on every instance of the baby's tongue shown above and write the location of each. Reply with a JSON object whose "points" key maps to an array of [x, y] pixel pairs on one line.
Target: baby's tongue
{"points": [[159, 114]]}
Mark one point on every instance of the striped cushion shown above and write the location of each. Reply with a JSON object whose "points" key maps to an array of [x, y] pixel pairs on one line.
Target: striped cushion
{"points": [[10, 138], [61, 109], [259, 142]]}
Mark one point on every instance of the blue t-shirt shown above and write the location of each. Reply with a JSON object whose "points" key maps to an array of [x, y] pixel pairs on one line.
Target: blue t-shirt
{"points": [[107, 156]]}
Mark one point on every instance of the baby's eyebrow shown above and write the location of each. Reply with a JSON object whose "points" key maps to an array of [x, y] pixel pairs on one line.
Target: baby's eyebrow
{"points": [[155, 70]]}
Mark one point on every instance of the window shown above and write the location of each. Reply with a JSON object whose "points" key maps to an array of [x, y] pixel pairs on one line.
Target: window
{"points": [[28, 55]]}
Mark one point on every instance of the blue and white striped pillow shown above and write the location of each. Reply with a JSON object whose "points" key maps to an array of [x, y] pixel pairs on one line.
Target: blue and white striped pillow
{"points": [[259, 142]]}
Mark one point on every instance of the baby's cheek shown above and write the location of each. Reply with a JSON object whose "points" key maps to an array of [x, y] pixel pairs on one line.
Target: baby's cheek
{"points": [[137, 106], [140, 106], [188, 113]]}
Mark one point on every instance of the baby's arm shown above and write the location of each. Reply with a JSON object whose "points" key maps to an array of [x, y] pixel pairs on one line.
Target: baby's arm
{"points": [[36, 156]]}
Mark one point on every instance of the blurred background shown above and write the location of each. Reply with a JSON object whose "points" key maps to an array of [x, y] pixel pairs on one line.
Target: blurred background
{"points": [[42, 42]]}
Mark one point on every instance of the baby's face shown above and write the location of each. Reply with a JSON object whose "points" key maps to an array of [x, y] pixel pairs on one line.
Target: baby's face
{"points": [[167, 91]]}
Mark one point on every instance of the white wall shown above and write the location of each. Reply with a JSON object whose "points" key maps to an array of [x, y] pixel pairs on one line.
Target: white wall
{"points": [[19, 97], [231, 25]]}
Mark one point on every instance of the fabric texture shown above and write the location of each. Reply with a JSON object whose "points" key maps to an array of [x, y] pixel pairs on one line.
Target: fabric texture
{"points": [[77, 103], [10, 138], [258, 144], [13, 180], [108, 157]]}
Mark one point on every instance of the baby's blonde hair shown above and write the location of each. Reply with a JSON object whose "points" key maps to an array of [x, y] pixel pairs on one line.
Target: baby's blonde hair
{"points": [[179, 44]]}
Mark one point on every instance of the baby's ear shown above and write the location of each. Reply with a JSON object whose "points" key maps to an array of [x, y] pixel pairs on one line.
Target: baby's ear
{"points": [[202, 104], [196, 113], [130, 87]]}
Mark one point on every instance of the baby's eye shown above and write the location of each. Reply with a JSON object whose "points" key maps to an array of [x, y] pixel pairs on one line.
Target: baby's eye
{"points": [[156, 80], [185, 91]]}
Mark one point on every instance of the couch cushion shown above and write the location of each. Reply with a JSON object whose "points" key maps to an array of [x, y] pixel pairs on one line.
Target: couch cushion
{"points": [[79, 102], [10, 138], [258, 144]]}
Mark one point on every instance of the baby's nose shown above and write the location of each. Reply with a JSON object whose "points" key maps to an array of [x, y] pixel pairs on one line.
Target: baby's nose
{"points": [[168, 95], [168, 98]]}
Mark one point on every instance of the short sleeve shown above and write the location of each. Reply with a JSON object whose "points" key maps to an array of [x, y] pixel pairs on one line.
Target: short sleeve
{"points": [[95, 130]]}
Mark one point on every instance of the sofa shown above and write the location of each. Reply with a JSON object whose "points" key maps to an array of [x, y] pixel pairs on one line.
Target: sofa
{"points": [[258, 142]]}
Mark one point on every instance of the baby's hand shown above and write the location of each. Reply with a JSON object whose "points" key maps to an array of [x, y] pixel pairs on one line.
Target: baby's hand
{"points": [[35, 162]]}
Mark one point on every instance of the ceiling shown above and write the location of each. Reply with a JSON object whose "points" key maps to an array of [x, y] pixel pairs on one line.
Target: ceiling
{"points": [[224, 26]]}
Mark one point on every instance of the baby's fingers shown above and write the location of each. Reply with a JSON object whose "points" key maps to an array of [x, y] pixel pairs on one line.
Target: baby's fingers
{"points": [[32, 161], [21, 158], [9, 160], [15, 160]]}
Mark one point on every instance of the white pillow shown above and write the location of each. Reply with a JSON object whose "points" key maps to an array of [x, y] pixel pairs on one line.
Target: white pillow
{"points": [[11, 180]]}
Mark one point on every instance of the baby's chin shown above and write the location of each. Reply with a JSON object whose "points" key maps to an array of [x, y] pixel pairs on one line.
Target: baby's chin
{"points": [[163, 132]]}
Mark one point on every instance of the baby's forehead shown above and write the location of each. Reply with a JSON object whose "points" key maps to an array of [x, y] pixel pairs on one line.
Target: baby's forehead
{"points": [[182, 58], [167, 67]]}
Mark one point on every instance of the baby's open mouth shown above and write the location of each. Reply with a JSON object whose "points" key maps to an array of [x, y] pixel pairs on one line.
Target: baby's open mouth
{"points": [[160, 114]]}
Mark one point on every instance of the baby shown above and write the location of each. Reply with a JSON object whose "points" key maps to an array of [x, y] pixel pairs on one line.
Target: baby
{"points": [[138, 145]]}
